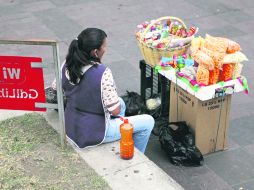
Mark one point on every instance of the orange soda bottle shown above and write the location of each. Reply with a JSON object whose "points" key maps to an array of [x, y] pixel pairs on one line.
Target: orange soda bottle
{"points": [[126, 142]]}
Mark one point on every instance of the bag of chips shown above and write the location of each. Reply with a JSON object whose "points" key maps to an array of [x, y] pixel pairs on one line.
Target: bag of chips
{"points": [[214, 76], [236, 57], [233, 47], [215, 44], [202, 75], [203, 59], [237, 70], [227, 72], [197, 43], [216, 56]]}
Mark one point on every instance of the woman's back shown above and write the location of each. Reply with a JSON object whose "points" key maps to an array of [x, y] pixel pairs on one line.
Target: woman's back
{"points": [[84, 113]]}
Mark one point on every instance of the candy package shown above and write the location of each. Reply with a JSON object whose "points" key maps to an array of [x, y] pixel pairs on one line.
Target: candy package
{"points": [[189, 72], [214, 76], [203, 59], [236, 57], [227, 72], [202, 75]]}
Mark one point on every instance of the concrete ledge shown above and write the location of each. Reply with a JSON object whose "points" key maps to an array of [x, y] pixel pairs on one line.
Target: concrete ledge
{"points": [[135, 174], [6, 114]]}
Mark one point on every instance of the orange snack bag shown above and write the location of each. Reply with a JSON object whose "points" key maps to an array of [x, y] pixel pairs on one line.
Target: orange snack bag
{"points": [[216, 44], [215, 55], [233, 47], [227, 72], [221, 44], [202, 75], [214, 76], [203, 59]]}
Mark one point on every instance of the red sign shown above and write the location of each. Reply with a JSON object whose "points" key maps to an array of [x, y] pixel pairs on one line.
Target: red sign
{"points": [[21, 86]]}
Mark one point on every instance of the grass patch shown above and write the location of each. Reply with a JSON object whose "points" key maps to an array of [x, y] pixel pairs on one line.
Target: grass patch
{"points": [[31, 158]]}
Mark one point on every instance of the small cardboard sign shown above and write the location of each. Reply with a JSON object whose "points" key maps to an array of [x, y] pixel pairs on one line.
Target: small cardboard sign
{"points": [[21, 86]]}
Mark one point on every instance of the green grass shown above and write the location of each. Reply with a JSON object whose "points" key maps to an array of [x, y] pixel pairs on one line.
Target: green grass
{"points": [[31, 158]]}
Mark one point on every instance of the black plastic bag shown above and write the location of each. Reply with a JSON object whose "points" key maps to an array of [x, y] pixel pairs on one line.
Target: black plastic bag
{"points": [[51, 96], [159, 124], [178, 142], [134, 104]]}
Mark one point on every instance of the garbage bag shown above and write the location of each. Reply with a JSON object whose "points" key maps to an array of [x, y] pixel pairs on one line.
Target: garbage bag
{"points": [[177, 141], [51, 96], [134, 103], [159, 124]]}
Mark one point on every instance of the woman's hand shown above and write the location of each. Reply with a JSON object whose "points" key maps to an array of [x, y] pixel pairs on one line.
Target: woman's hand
{"points": [[116, 111]]}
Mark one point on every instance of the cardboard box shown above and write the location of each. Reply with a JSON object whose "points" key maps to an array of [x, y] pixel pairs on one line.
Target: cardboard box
{"points": [[208, 119]]}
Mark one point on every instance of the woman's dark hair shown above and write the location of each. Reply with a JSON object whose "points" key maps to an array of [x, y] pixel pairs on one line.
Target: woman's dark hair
{"points": [[79, 53]]}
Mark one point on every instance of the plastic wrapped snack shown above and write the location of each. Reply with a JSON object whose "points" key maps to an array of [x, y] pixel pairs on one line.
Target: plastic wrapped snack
{"points": [[203, 59], [236, 57], [216, 56], [202, 75], [233, 47], [214, 76], [197, 43], [216, 44], [189, 72], [237, 70], [227, 72]]}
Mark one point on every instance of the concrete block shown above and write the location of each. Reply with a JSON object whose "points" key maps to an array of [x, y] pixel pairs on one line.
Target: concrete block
{"points": [[142, 176]]}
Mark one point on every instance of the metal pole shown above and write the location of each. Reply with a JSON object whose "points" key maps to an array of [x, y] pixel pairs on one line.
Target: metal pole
{"points": [[59, 93]]}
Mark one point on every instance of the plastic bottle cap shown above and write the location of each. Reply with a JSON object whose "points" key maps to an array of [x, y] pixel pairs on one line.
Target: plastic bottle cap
{"points": [[126, 121]]}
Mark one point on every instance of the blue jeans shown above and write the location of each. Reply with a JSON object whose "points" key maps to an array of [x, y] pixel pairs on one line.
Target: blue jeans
{"points": [[143, 125]]}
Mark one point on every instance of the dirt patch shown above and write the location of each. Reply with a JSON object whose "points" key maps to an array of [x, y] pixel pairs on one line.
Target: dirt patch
{"points": [[31, 158]]}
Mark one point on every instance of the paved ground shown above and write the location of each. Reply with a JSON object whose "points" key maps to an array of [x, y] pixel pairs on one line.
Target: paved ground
{"points": [[64, 19]]}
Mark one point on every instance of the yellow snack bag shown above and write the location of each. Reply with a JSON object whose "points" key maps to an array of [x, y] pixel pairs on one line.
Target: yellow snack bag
{"points": [[197, 43], [236, 57], [237, 70]]}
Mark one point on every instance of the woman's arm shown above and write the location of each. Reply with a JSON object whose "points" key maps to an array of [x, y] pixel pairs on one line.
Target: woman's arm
{"points": [[116, 111], [109, 94]]}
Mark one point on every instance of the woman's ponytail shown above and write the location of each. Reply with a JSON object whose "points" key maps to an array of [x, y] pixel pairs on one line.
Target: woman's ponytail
{"points": [[75, 59]]}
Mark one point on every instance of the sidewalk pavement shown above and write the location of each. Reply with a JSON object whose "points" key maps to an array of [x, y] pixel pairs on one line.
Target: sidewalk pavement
{"points": [[64, 19], [135, 174]]}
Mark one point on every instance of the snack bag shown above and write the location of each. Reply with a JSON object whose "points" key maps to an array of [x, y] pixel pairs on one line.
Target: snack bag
{"points": [[216, 56], [214, 76], [237, 70], [203, 59], [202, 75], [197, 43], [233, 47], [216, 44], [236, 57], [227, 72]]}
